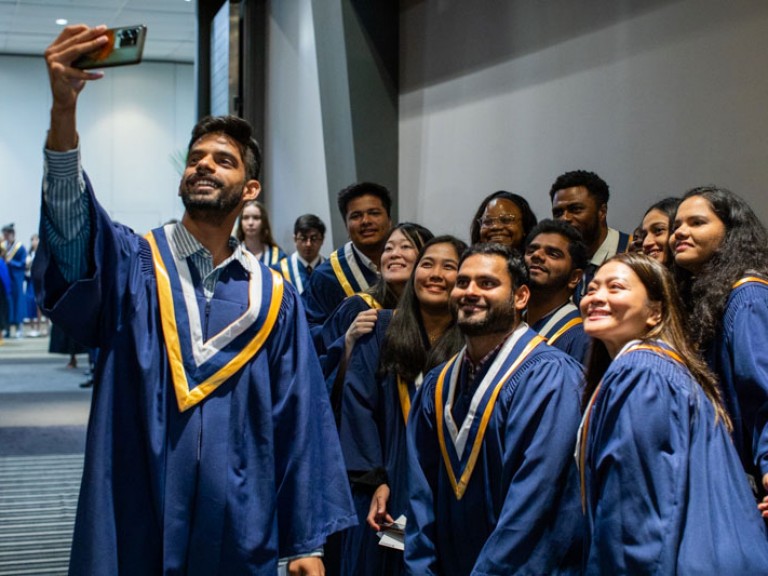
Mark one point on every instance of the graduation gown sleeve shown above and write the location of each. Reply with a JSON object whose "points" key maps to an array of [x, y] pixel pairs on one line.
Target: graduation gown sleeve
{"points": [[421, 552], [664, 490], [539, 515], [743, 369], [251, 473], [520, 512], [321, 295]]}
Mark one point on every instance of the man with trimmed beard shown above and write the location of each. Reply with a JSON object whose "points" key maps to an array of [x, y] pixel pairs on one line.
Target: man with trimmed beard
{"points": [[556, 257], [211, 445], [581, 199], [493, 487]]}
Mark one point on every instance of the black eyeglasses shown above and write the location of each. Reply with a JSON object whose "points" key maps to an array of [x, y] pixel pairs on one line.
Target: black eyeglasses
{"points": [[490, 222], [313, 239]]}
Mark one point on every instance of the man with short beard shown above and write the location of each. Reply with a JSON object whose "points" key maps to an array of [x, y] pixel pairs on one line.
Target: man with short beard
{"points": [[493, 487], [211, 445], [581, 199], [556, 257]]}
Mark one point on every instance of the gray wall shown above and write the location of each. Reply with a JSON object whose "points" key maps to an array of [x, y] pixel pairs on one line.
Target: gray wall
{"points": [[130, 122], [295, 180], [655, 96]]}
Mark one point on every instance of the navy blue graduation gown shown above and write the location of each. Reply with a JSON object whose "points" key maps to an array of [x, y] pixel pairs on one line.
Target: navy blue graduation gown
{"points": [[333, 332], [294, 270], [664, 490], [324, 291], [520, 512], [739, 357], [567, 334], [271, 256], [16, 269], [251, 473], [373, 442]]}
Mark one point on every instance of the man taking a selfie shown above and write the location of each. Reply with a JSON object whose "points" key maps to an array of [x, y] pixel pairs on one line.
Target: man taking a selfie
{"points": [[211, 446]]}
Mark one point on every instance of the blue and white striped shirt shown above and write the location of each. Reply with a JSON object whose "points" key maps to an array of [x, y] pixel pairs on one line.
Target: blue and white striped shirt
{"points": [[68, 230]]}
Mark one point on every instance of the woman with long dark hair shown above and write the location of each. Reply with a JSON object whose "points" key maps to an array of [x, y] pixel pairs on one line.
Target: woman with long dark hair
{"points": [[383, 374], [662, 487], [721, 263], [503, 217], [255, 232]]}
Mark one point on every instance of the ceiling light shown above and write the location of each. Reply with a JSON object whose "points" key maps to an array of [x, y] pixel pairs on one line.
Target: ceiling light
{"points": [[62, 21]]}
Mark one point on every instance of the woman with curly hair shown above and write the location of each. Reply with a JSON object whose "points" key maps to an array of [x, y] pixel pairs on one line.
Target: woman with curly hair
{"points": [[663, 490], [720, 249], [255, 232]]}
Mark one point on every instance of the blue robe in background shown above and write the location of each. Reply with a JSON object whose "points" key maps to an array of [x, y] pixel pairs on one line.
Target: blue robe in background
{"points": [[5, 295], [665, 492], [373, 441], [17, 265], [333, 332], [295, 271], [271, 256], [739, 358], [251, 473], [520, 512], [564, 329], [328, 286]]}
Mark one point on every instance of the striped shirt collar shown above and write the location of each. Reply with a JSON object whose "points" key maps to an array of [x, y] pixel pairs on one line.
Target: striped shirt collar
{"points": [[184, 244]]}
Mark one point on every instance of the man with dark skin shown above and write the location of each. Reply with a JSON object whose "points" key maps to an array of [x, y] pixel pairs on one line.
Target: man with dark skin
{"points": [[580, 198], [556, 257], [204, 356]]}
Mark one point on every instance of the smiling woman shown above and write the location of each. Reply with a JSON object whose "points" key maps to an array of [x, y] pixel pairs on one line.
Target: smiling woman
{"points": [[382, 377], [656, 228], [662, 486], [503, 217], [356, 315], [721, 263]]}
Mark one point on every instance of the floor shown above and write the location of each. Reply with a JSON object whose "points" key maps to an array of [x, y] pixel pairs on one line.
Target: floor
{"points": [[43, 416]]}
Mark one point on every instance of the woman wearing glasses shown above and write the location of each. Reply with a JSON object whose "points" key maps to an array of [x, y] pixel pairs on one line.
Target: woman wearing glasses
{"points": [[505, 218]]}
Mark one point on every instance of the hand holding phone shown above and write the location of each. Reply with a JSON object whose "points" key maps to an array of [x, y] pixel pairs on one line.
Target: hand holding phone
{"points": [[124, 46]]}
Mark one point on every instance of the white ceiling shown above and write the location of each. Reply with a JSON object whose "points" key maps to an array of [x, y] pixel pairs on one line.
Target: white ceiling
{"points": [[28, 26]]}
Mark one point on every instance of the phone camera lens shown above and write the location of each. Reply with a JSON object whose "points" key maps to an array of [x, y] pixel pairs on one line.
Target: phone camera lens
{"points": [[128, 38]]}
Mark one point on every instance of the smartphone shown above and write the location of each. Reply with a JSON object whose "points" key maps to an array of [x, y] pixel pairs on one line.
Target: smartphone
{"points": [[125, 46]]}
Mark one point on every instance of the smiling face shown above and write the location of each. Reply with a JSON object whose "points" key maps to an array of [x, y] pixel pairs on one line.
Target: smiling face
{"points": [[214, 180], [367, 221], [655, 233], [549, 263], [698, 233], [502, 222], [398, 259], [484, 297], [435, 276], [616, 309]]}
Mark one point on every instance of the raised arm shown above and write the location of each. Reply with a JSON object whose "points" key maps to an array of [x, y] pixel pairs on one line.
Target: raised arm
{"points": [[67, 82]]}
